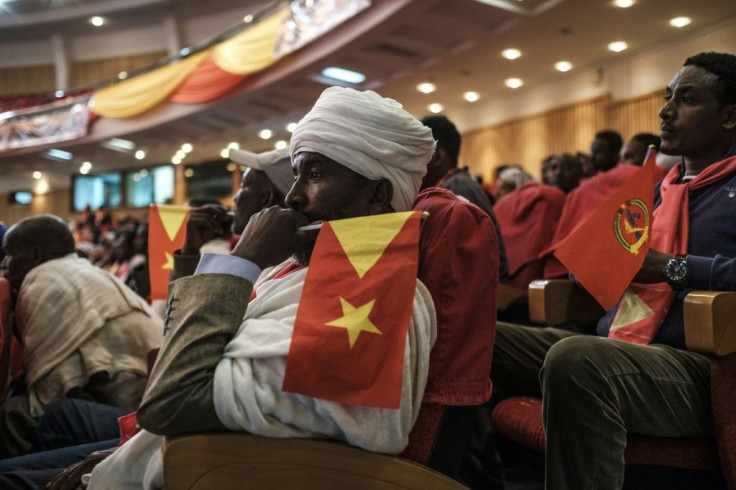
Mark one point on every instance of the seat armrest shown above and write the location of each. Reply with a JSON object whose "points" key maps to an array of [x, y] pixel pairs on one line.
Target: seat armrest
{"points": [[710, 322], [556, 301]]}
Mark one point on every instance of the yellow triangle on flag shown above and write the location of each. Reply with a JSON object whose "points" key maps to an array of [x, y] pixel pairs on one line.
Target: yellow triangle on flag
{"points": [[172, 218], [365, 239], [633, 309]]}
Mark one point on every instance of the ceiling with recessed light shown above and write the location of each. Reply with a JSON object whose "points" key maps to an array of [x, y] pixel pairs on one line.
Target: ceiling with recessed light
{"points": [[454, 45]]}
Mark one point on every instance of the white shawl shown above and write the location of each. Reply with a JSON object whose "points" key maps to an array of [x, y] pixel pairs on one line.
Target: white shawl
{"points": [[248, 394]]}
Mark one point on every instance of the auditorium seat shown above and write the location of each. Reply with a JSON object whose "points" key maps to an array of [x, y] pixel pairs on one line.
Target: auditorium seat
{"points": [[239, 460], [651, 462]]}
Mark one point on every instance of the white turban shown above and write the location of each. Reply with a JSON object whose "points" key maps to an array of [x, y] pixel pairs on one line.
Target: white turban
{"points": [[371, 136]]}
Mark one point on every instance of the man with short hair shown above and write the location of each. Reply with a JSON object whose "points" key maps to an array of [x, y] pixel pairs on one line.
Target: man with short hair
{"points": [[564, 172], [635, 151], [604, 150], [442, 171], [223, 360], [84, 333], [642, 379]]}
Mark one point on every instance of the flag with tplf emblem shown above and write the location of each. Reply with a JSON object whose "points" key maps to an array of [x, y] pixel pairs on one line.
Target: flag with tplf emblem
{"points": [[354, 312], [166, 232], [608, 249]]}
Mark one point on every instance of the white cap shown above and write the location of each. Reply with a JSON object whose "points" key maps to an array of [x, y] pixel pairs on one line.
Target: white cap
{"points": [[276, 164]]}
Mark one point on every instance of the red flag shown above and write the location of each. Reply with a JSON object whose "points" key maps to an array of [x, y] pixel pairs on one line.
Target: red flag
{"points": [[355, 309], [606, 251], [166, 233]]}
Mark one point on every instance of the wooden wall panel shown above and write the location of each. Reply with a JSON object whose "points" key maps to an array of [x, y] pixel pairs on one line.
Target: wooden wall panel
{"points": [[526, 141], [636, 115], [27, 80], [85, 73]]}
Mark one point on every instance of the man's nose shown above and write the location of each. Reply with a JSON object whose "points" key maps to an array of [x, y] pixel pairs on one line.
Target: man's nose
{"points": [[294, 198]]}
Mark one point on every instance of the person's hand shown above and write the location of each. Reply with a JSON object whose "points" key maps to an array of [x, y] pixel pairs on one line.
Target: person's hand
{"points": [[652, 270], [271, 236], [71, 478], [204, 224]]}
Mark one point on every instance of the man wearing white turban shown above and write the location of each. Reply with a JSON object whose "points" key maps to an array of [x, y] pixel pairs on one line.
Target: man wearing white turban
{"points": [[222, 363]]}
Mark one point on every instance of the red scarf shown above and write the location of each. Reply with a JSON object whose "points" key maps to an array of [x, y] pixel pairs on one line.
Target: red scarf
{"points": [[644, 306]]}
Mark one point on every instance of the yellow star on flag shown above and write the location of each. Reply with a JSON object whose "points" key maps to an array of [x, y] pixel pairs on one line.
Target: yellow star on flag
{"points": [[169, 265], [355, 320]]}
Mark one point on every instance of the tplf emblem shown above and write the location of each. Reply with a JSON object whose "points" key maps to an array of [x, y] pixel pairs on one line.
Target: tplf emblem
{"points": [[631, 225]]}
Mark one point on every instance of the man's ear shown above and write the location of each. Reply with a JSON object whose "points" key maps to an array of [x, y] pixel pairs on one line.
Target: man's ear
{"points": [[438, 157], [383, 192], [729, 117]]}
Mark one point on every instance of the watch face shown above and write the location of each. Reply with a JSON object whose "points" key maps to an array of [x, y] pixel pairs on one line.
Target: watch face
{"points": [[676, 270]]}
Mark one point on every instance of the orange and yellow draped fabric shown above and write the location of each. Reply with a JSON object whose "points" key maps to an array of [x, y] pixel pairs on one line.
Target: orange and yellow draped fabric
{"points": [[354, 313], [166, 232]]}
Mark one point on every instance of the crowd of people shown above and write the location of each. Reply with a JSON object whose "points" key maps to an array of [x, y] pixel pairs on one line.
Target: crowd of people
{"points": [[85, 347]]}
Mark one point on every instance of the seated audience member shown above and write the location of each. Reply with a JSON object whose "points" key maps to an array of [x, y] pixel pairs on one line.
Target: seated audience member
{"points": [[510, 179], [264, 183], [636, 374], [604, 150], [564, 172], [442, 171], [528, 216], [222, 368], [84, 334], [221, 241], [545, 170], [137, 277], [635, 151], [586, 164]]}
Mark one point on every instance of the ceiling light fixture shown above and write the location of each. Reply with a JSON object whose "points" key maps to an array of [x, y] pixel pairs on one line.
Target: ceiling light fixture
{"points": [[265, 134], [514, 82], [617, 46], [97, 21], [511, 53], [563, 66], [471, 96], [291, 127], [435, 108], [343, 75], [55, 154], [624, 4], [225, 153], [426, 87], [281, 144], [36, 175], [233, 146], [680, 22], [186, 147], [140, 155]]}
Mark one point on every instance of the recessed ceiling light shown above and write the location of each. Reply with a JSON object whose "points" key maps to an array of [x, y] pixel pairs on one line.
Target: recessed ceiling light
{"points": [[58, 154], [265, 134], [176, 159], [471, 96], [123, 75], [187, 147], [435, 108], [225, 153], [144, 173], [617, 46], [281, 144], [87, 164], [680, 21], [624, 4], [514, 82], [426, 87], [248, 19], [140, 155], [188, 172], [291, 127], [83, 170], [59, 93], [511, 53], [97, 21], [233, 145], [563, 66], [343, 75], [36, 175]]}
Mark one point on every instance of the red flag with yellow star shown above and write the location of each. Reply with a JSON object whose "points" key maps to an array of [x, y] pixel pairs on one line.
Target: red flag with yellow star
{"points": [[354, 313], [166, 233], [607, 250]]}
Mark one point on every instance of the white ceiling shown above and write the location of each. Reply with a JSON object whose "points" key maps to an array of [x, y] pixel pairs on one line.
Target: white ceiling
{"points": [[456, 44]]}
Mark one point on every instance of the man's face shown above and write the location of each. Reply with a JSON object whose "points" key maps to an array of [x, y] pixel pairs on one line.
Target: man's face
{"points": [[324, 190], [564, 174], [602, 155], [633, 153], [250, 198], [548, 172], [692, 117], [16, 264]]}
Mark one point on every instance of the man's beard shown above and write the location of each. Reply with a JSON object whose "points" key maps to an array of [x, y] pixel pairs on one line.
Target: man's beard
{"points": [[303, 254]]}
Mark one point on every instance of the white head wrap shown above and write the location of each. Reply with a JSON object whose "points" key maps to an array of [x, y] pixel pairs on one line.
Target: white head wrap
{"points": [[372, 136], [515, 177]]}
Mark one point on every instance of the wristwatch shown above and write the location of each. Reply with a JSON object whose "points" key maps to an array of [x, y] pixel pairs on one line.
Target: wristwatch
{"points": [[676, 272]]}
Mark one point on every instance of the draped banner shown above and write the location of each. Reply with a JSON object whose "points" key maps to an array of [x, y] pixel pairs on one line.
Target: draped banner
{"points": [[60, 121], [167, 231]]}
